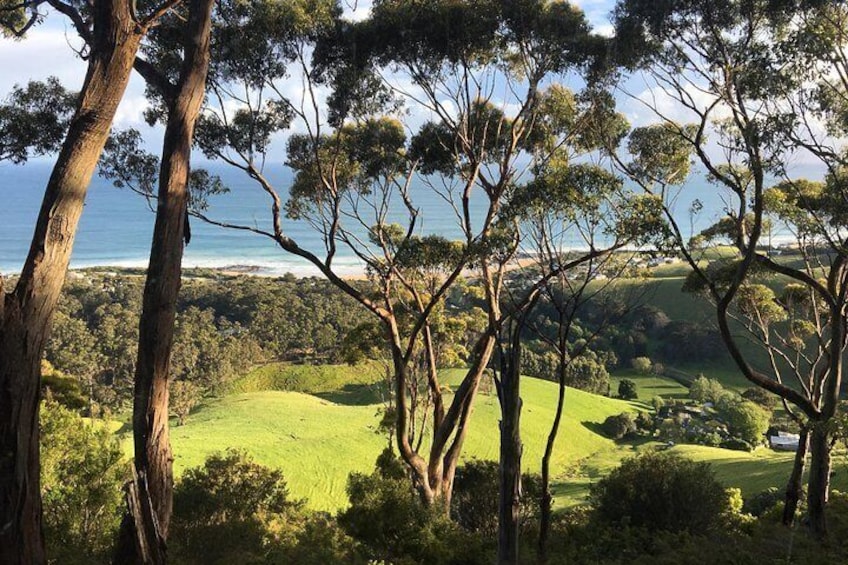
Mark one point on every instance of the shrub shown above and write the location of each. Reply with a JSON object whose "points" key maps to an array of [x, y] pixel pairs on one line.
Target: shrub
{"points": [[387, 517], [761, 397], [657, 402], [736, 444], [620, 426], [661, 491], [82, 472], [587, 374], [62, 388], [627, 389], [321, 541], [763, 501], [644, 422], [641, 365], [703, 389], [185, 395], [746, 420], [474, 505], [232, 510]]}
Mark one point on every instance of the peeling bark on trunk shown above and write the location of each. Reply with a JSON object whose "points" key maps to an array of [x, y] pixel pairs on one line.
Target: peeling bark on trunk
{"points": [[793, 487], [153, 458], [27, 310]]}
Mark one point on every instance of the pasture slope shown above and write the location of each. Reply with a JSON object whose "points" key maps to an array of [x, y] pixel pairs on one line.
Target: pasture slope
{"points": [[319, 430]]}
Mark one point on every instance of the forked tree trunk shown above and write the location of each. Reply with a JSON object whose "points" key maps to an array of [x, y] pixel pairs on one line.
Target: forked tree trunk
{"points": [[818, 486], [433, 477], [153, 487], [26, 312], [793, 486]]}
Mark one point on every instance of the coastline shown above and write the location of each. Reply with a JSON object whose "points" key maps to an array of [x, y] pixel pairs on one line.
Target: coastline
{"points": [[225, 267]]}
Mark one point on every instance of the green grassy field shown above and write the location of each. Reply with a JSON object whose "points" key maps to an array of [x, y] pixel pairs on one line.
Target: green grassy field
{"points": [[649, 386], [317, 440]]}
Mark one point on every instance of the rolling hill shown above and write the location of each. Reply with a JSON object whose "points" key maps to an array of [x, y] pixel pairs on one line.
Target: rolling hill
{"points": [[318, 439]]}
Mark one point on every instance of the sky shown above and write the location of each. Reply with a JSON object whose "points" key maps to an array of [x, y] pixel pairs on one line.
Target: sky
{"points": [[50, 50]]}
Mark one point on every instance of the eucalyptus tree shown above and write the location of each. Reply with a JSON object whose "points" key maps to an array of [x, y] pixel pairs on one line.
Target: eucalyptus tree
{"points": [[180, 86], [790, 320], [112, 31], [486, 73], [589, 210], [476, 70], [574, 219], [352, 187], [742, 72]]}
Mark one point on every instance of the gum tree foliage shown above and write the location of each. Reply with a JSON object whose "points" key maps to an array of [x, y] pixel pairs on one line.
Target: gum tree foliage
{"points": [[477, 151], [34, 119], [355, 163], [755, 77]]}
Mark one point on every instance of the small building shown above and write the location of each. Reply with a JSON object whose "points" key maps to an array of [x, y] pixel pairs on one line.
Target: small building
{"points": [[784, 441]]}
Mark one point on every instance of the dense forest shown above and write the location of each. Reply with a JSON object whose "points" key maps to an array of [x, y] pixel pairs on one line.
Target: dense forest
{"points": [[227, 325], [552, 310]]}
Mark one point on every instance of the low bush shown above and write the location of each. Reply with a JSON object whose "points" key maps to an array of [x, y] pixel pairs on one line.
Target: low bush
{"points": [[232, 510], [82, 472], [659, 491], [387, 517], [474, 505], [619, 426], [641, 365], [627, 390]]}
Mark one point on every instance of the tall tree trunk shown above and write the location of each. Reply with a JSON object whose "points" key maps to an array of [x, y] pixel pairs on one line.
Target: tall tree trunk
{"points": [[819, 481], [545, 507], [793, 487], [818, 487], [509, 500], [27, 311], [153, 458]]}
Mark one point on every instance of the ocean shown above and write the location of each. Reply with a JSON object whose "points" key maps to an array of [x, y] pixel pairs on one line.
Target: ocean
{"points": [[116, 226]]}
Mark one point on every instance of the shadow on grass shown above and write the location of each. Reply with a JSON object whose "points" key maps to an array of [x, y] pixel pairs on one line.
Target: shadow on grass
{"points": [[355, 395], [594, 427]]}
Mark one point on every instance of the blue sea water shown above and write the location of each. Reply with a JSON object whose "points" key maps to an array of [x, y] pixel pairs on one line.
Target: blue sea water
{"points": [[116, 226]]}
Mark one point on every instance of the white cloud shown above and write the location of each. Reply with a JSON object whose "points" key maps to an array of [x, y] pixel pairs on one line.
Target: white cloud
{"points": [[643, 104], [51, 50], [131, 111], [44, 52], [356, 10], [597, 11]]}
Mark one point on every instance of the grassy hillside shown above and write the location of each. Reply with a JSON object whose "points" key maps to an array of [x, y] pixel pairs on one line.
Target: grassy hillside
{"points": [[664, 291], [318, 441], [363, 381]]}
